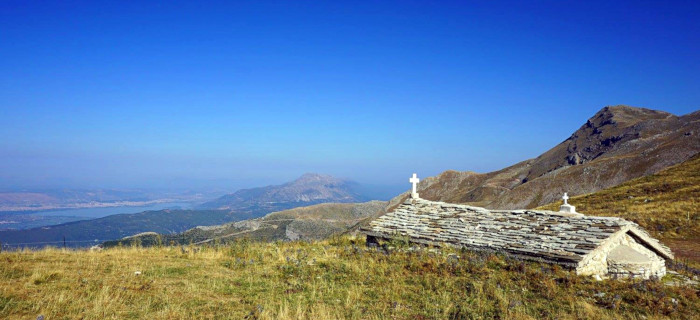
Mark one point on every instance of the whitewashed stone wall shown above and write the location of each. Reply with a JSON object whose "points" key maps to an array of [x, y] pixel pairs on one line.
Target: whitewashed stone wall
{"points": [[597, 262]]}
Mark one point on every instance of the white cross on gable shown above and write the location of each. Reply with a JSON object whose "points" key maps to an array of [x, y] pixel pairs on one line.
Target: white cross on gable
{"points": [[565, 197], [414, 180]]}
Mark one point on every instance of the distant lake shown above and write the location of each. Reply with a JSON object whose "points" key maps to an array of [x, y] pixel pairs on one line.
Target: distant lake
{"points": [[28, 220]]}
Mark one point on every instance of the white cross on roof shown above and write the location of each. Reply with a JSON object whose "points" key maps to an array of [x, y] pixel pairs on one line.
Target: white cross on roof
{"points": [[414, 180], [565, 197]]}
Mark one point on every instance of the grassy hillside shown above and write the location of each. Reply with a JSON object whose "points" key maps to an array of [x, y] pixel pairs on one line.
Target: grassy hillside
{"points": [[667, 204], [333, 279]]}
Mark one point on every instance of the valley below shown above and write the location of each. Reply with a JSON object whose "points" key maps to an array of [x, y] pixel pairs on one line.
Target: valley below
{"points": [[86, 227], [87, 205], [18, 220]]}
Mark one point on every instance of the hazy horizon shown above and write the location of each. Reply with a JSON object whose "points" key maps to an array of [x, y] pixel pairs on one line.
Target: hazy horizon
{"points": [[181, 95]]}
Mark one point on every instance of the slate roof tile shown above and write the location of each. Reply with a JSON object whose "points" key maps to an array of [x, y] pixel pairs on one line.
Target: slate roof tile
{"points": [[544, 235]]}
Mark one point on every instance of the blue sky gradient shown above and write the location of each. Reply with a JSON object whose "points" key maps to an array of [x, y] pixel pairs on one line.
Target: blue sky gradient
{"points": [[235, 94]]}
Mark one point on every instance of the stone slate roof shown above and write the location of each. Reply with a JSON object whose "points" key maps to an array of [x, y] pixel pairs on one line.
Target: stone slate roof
{"points": [[535, 235]]}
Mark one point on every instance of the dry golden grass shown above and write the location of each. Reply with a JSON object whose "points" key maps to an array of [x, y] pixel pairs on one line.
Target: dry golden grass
{"points": [[334, 279]]}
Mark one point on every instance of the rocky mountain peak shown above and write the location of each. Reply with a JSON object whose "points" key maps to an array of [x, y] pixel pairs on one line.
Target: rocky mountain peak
{"points": [[309, 178], [622, 116], [616, 144], [609, 127], [310, 188]]}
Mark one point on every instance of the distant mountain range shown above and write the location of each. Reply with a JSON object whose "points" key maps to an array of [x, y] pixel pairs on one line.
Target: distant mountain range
{"points": [[92, 232], [313, 206], [37, 200], [617, 144], [305, 223], [307, 190]]}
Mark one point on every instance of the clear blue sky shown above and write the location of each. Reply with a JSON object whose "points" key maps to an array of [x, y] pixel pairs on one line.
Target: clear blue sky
{"points": [[234, 94]]}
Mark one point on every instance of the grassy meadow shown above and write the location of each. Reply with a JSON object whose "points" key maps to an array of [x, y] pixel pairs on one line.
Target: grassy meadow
{"points": [[332, 279]]}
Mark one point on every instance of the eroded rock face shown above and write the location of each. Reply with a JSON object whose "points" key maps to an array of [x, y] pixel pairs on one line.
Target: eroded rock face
{"points": [[617, 144]]}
